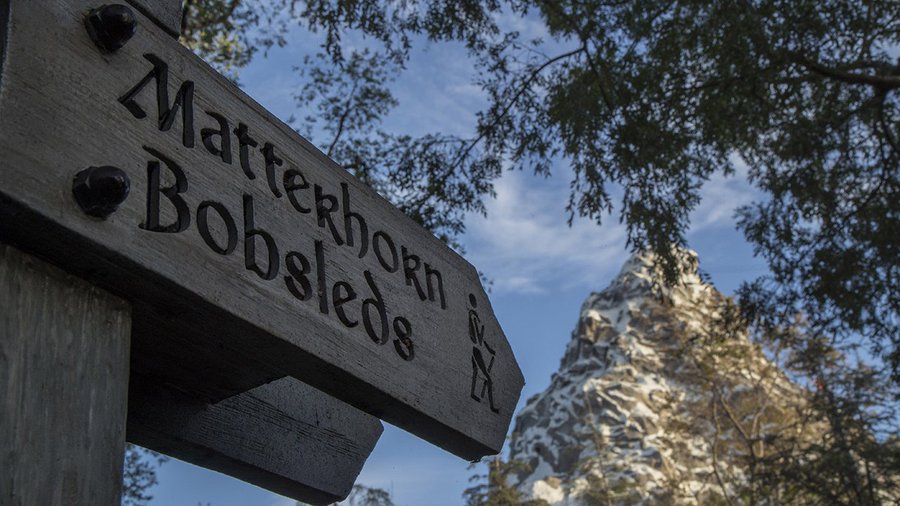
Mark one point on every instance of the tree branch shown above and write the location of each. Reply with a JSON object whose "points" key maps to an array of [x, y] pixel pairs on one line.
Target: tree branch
{"points": [[531, 77], [734, 421], [715, 458], [509, 105], [342, 120], [585, 48], [883, 82]]}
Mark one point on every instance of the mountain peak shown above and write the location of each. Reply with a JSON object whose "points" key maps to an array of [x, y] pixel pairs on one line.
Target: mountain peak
{"points": [[644, 263], [638, 280], [628, 410]]}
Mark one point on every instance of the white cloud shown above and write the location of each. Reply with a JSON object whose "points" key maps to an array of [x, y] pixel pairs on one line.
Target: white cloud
{"points": [[524, 245], [436, 93], [721, 196]]}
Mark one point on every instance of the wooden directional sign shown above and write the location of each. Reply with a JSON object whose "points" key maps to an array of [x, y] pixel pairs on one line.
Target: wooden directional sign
{"points": [[270, 258]]}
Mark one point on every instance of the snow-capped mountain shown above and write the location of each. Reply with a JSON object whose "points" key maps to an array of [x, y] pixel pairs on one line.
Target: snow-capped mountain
{"points": [[649, 404]]}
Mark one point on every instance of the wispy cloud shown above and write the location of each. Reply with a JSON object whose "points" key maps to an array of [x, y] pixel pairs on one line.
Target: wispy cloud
{"points": [[721, 196], [524, 245], [437, 93]]}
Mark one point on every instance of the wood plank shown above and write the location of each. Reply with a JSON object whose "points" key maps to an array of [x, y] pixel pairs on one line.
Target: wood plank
{"points": [[171, 350], [285, 436], [166, 13], [63, 386], [64, 106]]}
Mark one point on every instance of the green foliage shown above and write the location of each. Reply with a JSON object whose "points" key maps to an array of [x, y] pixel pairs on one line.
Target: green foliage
{"points": [[493, 488], [362, 495], [227, 33], [599, 492], [856, 459], [139, 475], [806, 446], [349, 99], [396, 24]]}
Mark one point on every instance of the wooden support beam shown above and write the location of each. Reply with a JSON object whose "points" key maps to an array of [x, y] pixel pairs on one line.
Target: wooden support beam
{"points": [[63, 386], [285, 436]]}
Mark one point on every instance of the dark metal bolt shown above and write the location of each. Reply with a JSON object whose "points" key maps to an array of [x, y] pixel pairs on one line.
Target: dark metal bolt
{"points": [[100, 190], [111, 26]]}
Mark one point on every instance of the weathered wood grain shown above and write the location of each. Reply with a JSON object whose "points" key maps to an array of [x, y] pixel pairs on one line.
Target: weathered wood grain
{"points": [[166, 13], [63, 386], [63, 109], [284, 436]]}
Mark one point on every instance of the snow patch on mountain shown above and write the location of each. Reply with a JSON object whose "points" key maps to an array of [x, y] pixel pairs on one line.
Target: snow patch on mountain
{"points": [[628, 412]]}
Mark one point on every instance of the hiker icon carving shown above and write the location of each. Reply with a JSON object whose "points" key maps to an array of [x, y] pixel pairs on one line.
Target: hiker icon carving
{"points": [[480, 370]]}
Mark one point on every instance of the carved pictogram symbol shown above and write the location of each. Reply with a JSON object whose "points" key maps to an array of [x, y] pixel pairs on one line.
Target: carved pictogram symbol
{"points": [[481, 369]]}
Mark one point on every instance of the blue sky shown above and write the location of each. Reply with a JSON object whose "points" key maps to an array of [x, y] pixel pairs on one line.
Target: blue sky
{"points": [[541, 269]]}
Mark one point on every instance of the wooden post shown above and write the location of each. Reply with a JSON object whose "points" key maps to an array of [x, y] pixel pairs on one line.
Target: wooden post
{"points": [[63, 386]]}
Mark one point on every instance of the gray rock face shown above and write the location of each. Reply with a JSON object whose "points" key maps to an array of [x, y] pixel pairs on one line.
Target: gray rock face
{"points": [[649, 406]]}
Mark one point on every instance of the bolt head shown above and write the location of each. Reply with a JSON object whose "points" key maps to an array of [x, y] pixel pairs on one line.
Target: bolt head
{"points": [[111, 26], [100, 190]]}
